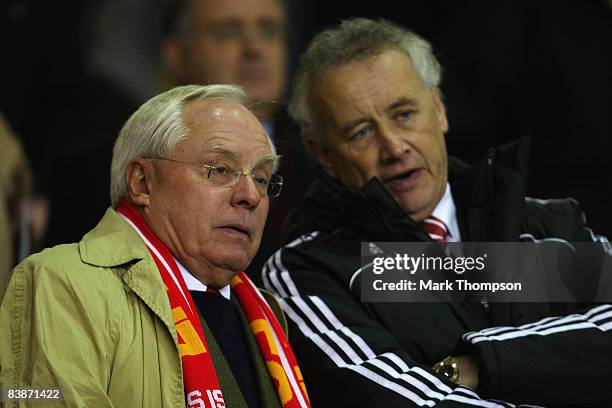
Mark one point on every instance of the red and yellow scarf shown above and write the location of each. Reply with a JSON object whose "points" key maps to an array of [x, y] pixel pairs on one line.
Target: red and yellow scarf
{"points": [[199, 375]]}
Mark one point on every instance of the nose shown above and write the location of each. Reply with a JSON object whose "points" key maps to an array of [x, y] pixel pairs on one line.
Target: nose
{"points": [[245, 193], [391, 143], [252, 42]]}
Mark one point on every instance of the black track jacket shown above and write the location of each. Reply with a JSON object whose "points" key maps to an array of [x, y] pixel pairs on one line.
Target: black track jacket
{"points": [[359, 354]]}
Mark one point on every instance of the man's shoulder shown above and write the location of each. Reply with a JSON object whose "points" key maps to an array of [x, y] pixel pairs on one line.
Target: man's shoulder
{"points": [[337, 243], [562, 206], [312, 259], [62, 265], [56, 255], [553, 218]]}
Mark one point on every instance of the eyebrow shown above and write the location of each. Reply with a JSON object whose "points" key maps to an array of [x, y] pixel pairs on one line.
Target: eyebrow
{"points": [[400, 102], [235, 156], [224, 22], [224, 151], [268, 158], [268, 21]]}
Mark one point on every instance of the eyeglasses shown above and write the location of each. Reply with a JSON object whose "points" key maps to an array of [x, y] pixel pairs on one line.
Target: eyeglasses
{"points": [[222, 174]]}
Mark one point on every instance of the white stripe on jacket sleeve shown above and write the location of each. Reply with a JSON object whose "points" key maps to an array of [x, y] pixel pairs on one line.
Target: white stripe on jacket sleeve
{"points": [[344, 347], [591, 319]]}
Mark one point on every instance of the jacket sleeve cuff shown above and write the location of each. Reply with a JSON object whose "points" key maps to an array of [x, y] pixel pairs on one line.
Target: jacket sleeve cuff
{"points": [[489, 371]]}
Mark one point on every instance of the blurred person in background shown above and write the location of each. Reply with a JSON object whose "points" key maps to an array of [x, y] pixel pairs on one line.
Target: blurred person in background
{"points": [[243, 42], [15, 188], [104, 59]]}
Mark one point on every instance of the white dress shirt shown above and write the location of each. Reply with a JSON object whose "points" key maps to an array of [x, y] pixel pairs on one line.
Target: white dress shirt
{"points": [[194, 284], [447, 212]]}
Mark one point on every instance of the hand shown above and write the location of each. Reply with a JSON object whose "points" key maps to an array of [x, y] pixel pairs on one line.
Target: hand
{"points": [[468, 371], [462, 370]]}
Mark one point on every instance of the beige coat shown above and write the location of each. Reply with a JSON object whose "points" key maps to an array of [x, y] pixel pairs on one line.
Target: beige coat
{"points": [[94, 319]]}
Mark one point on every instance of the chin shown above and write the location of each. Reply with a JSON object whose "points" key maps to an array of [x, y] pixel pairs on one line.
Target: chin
{"points": [[231, 254], [234, 262], [415, 208]]}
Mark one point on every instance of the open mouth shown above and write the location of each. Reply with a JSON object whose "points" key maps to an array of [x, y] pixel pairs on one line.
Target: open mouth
{"points": [[237, 230], [405, 179]]}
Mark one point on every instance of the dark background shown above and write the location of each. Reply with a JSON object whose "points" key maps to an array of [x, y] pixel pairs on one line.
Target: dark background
{"points": [[73, 71]]}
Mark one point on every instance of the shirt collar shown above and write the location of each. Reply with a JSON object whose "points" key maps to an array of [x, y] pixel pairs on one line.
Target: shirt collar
{"points": [[194, 284], [447, 212]]}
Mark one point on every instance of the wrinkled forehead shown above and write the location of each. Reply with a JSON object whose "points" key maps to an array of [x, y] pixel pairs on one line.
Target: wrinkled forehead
{"points": [[358, 87], [361, 77], [208, 11], [223, 125]]}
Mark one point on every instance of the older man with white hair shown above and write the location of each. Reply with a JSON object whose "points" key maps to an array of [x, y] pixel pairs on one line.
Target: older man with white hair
{"points": [[151, 308]]}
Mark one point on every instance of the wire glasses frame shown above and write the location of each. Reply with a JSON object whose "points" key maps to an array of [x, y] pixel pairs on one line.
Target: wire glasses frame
{"points": [[225, 176]]}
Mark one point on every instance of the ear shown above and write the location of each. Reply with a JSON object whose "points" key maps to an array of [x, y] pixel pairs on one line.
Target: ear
{"points": [[440, 109], [322, 156], [138, 181], [173, 54]]}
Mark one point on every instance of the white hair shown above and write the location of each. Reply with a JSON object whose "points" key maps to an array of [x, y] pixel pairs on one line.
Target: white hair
{"points": [[355, 39], [157, 127]]}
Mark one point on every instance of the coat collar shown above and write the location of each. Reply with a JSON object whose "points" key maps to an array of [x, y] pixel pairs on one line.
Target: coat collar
{"points": [[114, 243], [490, 193]]}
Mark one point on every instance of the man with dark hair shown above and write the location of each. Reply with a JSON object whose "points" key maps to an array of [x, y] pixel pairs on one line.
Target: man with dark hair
{"points": [[243, 42], [367, 99]]}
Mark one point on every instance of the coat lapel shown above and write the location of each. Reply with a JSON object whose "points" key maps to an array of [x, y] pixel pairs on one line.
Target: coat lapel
{"points": [[113, 243]]}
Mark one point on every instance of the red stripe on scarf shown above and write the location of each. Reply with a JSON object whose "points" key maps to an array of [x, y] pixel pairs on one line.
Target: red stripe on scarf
{"points": [[199, 375], [280, 362]]}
